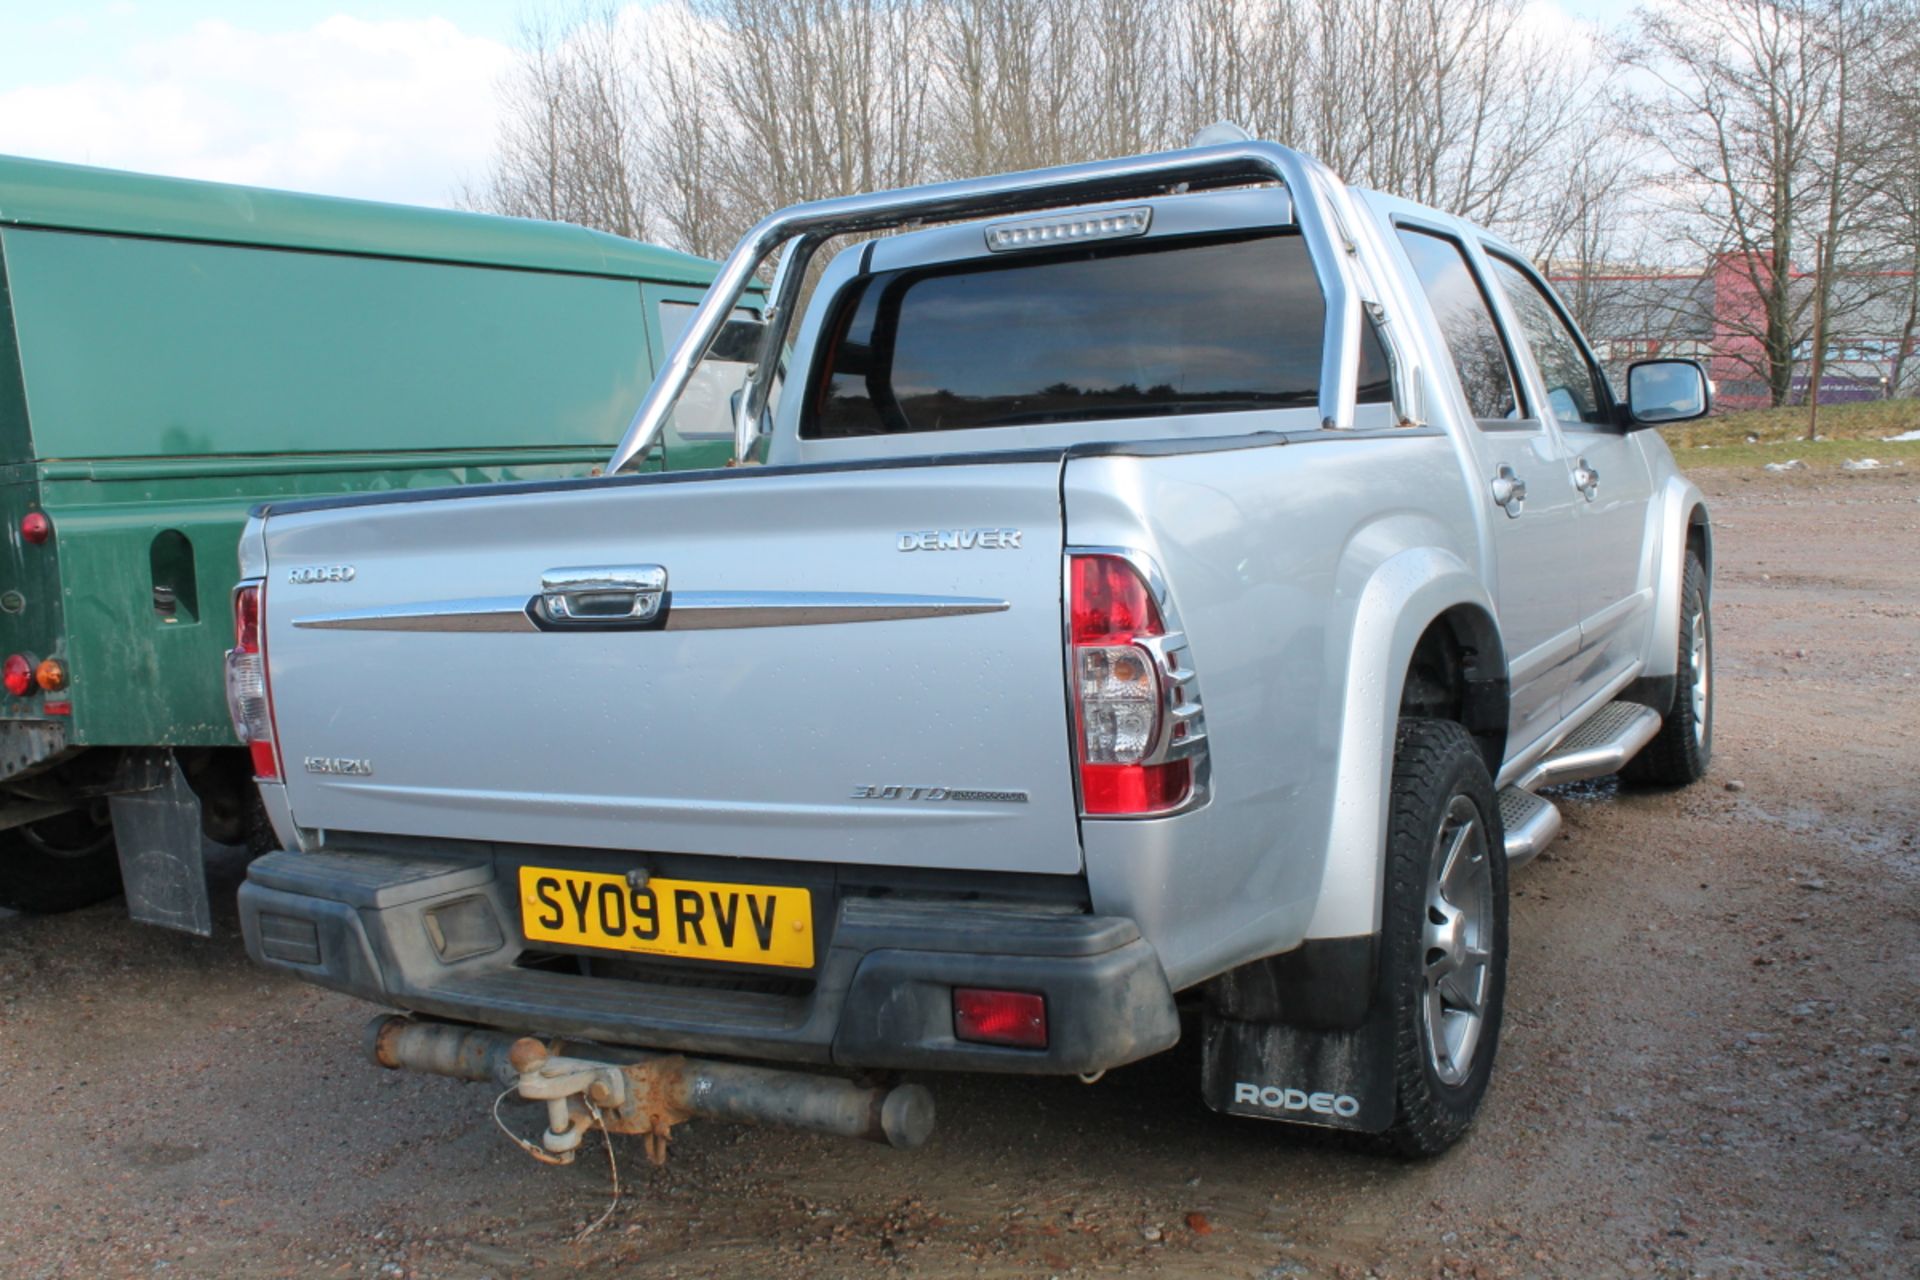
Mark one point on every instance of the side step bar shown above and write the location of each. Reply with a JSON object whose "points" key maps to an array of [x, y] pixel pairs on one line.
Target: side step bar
{"points": [[1601, 746], [1531, 825]]}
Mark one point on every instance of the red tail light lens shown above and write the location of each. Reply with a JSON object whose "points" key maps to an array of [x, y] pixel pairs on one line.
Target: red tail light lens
{"points": [[249, 701], [17, 672], [35, 527], [1111, 602], [1122, 692], [246, 618], [1015, 1018]]}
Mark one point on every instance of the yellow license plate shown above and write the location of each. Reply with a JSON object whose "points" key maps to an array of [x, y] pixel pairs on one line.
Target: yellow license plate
{"points": [[693, 919]]}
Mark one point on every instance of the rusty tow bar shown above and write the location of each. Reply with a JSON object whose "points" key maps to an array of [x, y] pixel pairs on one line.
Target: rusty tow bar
{"points": [[630, 1091]]}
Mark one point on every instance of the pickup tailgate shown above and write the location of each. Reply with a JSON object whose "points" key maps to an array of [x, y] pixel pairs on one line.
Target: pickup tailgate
{"points": [[807, 690]]}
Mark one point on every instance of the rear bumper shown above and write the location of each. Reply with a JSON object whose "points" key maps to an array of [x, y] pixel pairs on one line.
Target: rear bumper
{"points": [[442, 938]]}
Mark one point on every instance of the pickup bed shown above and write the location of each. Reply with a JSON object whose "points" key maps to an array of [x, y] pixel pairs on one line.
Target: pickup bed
{"points": [[1163, 586]]}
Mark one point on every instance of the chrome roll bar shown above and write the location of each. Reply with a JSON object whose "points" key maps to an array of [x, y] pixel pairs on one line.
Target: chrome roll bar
{"points": [[1319, 203]]}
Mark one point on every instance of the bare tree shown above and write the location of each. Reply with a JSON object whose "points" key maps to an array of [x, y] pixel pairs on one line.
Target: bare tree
{"points": [[1888, 218], [1748, 93], [572, 143]]}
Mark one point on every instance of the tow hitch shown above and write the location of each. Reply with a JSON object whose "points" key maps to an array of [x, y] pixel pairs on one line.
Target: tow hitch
{"points": [[629, 1091]]}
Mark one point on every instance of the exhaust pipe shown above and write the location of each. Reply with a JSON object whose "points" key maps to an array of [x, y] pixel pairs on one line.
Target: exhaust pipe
{"points": [[629, 1091]]}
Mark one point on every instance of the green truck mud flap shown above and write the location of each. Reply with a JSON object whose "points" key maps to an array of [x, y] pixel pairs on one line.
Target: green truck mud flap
{"points": [[164, 849]]}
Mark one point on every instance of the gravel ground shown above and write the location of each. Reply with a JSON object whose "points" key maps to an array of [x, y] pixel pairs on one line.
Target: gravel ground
{"points": [[1709, 1066]]}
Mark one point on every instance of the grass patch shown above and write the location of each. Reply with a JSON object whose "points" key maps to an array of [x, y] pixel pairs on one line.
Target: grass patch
{"points": [[1751, 439], [1873, 420], [1819, 455]]}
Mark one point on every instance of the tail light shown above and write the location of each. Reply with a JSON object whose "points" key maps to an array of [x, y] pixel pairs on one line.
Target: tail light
{"points": [[18, 674], [1141, 738], [36, 528], [249, 701]]}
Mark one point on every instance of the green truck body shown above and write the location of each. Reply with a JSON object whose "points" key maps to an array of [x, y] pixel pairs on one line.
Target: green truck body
{"points": [[172, 353]]}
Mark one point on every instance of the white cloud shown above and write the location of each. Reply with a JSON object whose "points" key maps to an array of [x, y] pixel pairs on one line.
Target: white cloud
{"points": [[391, 110]]}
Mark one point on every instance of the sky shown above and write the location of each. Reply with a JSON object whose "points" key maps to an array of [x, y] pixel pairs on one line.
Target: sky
{"points": [[383, 101]]}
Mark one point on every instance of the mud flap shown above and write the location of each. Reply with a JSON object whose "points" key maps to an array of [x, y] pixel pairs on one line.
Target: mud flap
{"points": [[163, 849], [1333, 1078]]}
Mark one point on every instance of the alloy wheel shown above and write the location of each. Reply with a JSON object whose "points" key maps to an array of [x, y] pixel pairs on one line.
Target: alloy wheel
{"points": [[1459, 942]]}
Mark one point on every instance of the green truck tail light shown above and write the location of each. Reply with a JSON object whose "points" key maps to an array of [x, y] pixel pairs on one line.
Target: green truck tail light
{"points": [[249, 701], [18, 674], [35, 527]]}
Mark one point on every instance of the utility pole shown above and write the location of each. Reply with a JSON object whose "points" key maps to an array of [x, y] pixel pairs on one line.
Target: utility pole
{"points": [[1818, 367]]}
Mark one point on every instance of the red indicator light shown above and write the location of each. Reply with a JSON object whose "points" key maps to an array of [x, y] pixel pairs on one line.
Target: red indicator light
{"points": [[35, 527], [18, 675], [1016, 1018]]}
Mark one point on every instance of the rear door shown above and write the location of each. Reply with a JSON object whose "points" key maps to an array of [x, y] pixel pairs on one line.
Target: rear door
{"points": [[860, 666], [1610, 477], [1523, 478]]}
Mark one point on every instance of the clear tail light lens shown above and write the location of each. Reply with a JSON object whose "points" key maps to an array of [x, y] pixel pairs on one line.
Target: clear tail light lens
{"points": [[248, 700], [1138, 723], [1119, 702]]}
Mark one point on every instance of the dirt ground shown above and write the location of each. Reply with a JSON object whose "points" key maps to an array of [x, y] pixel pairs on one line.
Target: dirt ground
{"points": [[1709, 1067]]}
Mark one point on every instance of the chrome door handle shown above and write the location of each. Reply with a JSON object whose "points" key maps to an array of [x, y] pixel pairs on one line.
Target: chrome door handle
{"points": [[602, 595], [1586, 480], [1509, 491]]}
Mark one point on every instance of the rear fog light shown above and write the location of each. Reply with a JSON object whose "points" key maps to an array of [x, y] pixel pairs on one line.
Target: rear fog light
{"points": [[1016, 1018]]}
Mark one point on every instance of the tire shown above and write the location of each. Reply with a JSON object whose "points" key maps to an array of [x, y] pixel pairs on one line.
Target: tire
{"points": [[58, 863], [1680, 752], [1443, 946]]}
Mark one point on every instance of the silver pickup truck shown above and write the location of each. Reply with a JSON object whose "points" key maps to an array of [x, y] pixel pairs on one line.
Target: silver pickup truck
{"points": [[1155, 597]]}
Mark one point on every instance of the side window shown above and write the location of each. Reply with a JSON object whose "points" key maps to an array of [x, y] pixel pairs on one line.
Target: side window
{"points": [[1575, 391], [705, 411], [1466, 323]]}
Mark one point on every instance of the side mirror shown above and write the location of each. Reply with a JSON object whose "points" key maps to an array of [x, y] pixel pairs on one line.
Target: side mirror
{"points": [[738, 340], [1660, 392]]}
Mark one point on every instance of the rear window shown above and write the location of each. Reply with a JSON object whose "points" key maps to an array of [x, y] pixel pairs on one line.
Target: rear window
{"points": [[1146, 329]]}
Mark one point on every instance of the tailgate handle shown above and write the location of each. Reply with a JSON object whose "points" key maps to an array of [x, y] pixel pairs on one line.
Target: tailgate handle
{"points": [[603, 595]]}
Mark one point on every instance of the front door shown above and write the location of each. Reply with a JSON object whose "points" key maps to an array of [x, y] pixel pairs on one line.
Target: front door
{"points": [[1610, 478], [1524, 479]]}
